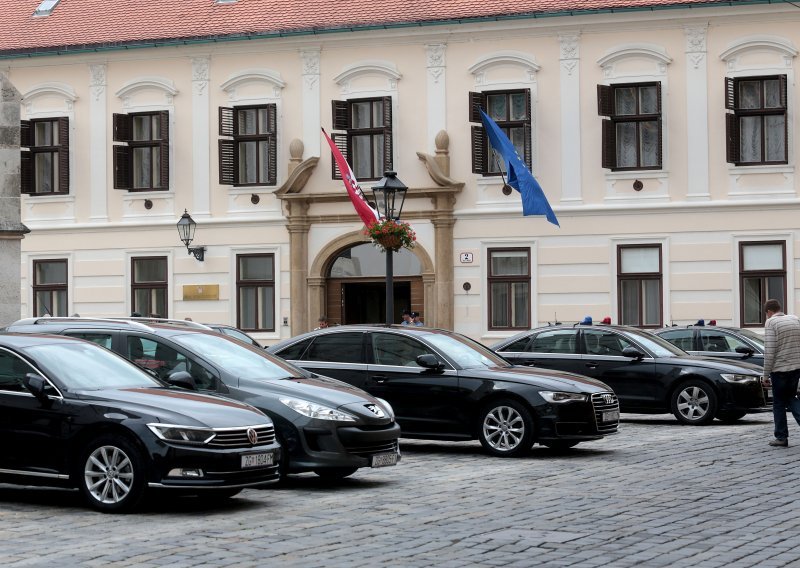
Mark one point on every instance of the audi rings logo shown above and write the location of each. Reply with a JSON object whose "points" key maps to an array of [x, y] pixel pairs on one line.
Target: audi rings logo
{"points": [[375, 409], [608, 399], [252, 435]]}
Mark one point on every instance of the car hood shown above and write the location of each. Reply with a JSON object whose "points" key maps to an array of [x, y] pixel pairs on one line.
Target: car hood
{"points": [[319, 389], [175, 406], [715, 363], [544, 378]]}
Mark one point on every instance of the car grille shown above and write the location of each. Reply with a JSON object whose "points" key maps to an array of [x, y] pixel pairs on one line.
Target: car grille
{"points": [[237, 437], [605, 402], [384, 447]]}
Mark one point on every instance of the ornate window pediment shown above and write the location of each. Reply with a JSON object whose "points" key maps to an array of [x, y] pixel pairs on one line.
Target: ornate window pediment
{"points": [[49, 90], [779, 52], [372, 68], [141, 84], [237, 82], [498, 59], [654, 58]]}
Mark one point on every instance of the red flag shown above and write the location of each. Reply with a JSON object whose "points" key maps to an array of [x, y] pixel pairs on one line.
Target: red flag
{"points": [[367, 213]]}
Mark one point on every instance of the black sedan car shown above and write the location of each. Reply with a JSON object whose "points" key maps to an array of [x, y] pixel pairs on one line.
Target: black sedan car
{"points": [[717, 341], [445, 386], [75, 415], [648, 373], [325, 426], [234, 332]]}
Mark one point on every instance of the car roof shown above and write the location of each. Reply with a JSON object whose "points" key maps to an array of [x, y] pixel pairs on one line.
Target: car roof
{"points": [[404, 329], [23, 340], [158, 326], [692, 326]]}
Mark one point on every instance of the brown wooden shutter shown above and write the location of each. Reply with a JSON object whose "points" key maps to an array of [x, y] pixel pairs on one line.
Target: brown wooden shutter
{"points": [[25, 130], [63, 154], [122, 167], [609, 144], [732, 153], [528, 154], [388, 143], [340, 119], [341, 142], [730, 94], [227, 162], [26, 172], [226, 124], [478, 150], [477, 101], [272, 130], [163, 125], [122, 127], [605, 100], [782, 81]]}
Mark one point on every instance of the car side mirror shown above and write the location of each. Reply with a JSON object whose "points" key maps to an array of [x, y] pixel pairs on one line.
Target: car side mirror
{"points": [[429, 361], [745, 350], [36, 385], [633, 353], [182, 379]]}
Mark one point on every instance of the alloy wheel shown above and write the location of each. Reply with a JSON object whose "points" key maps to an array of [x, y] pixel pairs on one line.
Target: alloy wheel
{"points": [[503, 428], [108, 474], [693, 403]]}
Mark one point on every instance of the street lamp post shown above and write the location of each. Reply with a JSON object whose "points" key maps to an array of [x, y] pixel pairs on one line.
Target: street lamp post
{"points": [[186, 228], [390, 193]]}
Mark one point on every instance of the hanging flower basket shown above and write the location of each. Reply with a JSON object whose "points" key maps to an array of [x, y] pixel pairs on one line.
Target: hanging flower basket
{"points": [[388, 234]]}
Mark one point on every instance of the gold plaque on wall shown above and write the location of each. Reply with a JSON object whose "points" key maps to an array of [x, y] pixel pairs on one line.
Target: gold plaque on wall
{"points": [[201, 292]]}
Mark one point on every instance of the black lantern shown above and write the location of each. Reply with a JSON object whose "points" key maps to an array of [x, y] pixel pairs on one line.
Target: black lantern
{"points": [[390, 193], [186, 228]]}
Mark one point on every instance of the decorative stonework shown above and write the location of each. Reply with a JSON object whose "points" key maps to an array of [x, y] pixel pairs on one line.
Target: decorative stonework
{"points": [[130, 88], [51, 89], [696, 44], [656, 54], [436, 60], [384, 69], [485, 64], [266, 77], [311, 60], [569, 51], [783, 50], [97, 81], [200, 67]]}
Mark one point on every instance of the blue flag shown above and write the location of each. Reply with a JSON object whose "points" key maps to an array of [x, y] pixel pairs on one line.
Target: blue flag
{"points": [[520, 178]]}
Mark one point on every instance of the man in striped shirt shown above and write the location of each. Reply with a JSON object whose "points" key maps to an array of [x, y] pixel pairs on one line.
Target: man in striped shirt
{"points": [[782, 366]]}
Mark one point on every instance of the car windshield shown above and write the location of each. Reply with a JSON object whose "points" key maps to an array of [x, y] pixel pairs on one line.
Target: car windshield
{"points": [[238, 359], [82, 365], [753, 336], [466, 353], [656, 345]]}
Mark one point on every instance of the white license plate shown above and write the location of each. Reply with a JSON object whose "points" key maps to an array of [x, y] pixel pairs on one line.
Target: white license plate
{"points": [[769, 395], [611, 415], [257, 460], [382, 460]]}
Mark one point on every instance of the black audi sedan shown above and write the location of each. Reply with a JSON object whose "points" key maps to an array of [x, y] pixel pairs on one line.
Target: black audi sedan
{"points": [[325, 426], [648, 373], [445, 386], [717, 341], [73, 414]]}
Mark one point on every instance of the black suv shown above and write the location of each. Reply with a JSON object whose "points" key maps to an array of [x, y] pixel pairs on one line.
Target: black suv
{"points": [[446, 386], [324, 425], [648, 373], [73, 414]]}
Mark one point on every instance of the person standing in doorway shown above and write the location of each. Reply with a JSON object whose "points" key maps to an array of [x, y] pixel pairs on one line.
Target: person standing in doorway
{"points": [[322, 323], [415, 321], [782, 366], [406, 318]]}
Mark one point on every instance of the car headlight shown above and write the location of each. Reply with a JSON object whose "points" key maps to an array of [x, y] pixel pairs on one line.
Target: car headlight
{"points": [[740, 379], [182, 434], [387, 407], [313, 410], [560, 397]]}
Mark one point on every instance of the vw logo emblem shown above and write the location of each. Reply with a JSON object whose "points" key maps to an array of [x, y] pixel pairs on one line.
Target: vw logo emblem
{"points": [[252, 435], [376, 410], [608, 399]]}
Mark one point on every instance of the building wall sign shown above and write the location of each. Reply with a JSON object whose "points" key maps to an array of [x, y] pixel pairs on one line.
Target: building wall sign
{"points": [[201, 292]]}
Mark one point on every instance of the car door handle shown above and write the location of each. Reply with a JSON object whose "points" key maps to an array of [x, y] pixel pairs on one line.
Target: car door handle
{"points": [[591, 365], [379, 379]]}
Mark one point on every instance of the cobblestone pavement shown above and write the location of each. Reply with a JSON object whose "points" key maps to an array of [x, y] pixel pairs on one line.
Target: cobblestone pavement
{"points": [[656, 494]]}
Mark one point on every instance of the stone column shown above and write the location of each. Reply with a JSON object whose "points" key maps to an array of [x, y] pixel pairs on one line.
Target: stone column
{"points": [[570, 118], [697, 114], [443, 299], [98, 144], [311, 101], [436, 90], [11, 228], [297, 224], [201, 141]]}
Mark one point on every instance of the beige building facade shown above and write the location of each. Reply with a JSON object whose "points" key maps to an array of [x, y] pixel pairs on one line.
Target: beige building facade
{"points": [[664, 141]]}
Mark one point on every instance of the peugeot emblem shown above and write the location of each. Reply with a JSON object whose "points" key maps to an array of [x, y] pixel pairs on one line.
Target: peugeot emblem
{"points": [[252, 435], [375, 409]]}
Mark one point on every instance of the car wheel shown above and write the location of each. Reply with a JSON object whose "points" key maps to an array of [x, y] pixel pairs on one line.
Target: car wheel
{"points": [[730, 416], [506, 428], [112, 475], [335, 472], [561, 444], [694, 402]]}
